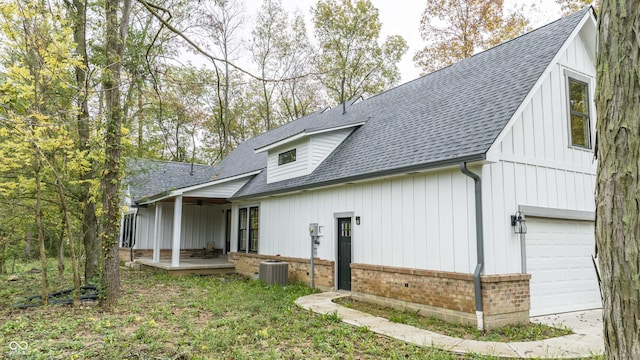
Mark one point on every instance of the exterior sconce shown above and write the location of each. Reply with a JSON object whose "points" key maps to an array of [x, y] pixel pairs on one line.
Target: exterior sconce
{"points": [[357, 220], [519, 224]]}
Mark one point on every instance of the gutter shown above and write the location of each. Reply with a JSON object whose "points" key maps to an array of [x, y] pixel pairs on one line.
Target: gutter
{"points": [[366, 176], [479, 244]]}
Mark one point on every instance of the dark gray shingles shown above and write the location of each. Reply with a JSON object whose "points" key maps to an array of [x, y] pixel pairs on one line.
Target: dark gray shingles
{"points": [[148, 178], [451, 114]]}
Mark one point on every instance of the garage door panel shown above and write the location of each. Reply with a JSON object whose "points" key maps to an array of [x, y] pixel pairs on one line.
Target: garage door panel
{"points": [[559, 261]]}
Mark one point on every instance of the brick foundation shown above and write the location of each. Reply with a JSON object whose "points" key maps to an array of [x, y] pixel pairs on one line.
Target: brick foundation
{"points": [[248, 265], [445, 295]]}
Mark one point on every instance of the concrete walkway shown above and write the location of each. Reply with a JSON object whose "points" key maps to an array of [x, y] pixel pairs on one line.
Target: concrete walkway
{"points": [[586, 340]]}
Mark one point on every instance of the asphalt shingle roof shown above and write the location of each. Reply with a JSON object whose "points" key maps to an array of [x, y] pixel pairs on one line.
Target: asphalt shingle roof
{"points": [[149, 178], [450, 115]]}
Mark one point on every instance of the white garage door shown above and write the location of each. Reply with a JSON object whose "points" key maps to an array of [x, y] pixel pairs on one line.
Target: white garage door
{"points": [[559, 260]]}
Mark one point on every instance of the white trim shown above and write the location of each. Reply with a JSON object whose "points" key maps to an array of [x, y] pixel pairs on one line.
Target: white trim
{"points": [[549, 164], [303, 134], [364, 180], [177, 229], [199, 186], [496, 144], [247, 206], [569, 74], [555, 213], [158, 233]]}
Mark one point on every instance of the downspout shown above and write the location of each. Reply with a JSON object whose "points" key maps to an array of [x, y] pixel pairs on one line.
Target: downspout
{"points": [[479, 245]]}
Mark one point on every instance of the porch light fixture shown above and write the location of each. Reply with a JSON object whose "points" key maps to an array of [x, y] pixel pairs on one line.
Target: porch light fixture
{"points": [[519, 224], [357, 220]]}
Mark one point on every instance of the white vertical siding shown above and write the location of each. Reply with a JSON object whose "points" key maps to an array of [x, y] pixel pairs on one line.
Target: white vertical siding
{"points": [[297, 168], [200, 225], [310, 152], [324, 143], [415, 221], [538, 167], [223, 190]]}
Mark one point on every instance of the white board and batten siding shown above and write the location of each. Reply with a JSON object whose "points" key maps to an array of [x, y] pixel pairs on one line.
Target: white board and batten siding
{"points": [[539, 169], [222, 190], [424, 221], [537, 166], [200, 225], [310, 152]]}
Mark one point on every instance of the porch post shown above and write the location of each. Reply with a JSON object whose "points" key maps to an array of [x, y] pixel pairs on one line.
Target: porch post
{"points": [[175, 239], [157, 238]]}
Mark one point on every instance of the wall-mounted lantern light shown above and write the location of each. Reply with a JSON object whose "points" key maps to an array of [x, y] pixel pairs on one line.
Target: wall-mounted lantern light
{"points": [[357, 220], [519, 224]]}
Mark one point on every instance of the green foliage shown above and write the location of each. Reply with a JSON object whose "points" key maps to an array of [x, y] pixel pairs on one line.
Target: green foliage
{"points": [[571, 6], [456, 29], [194, 317], [351, 62], [37, 121]]}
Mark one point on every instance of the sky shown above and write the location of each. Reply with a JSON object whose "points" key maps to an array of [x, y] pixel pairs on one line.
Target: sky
{"points": [[402, 17]]}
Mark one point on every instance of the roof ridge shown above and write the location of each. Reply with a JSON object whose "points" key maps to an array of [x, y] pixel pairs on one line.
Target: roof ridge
{"points": [[172, 162]]}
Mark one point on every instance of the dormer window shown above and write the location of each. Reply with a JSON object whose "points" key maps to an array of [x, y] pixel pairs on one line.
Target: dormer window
{"points": [[287, 157]]}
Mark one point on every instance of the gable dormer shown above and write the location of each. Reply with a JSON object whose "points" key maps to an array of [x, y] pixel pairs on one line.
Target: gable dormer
{"points": [[300, 154]]}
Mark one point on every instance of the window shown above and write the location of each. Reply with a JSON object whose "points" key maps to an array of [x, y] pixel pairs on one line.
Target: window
{"points": [[242, 230], [579, 121], [248, 229], [128, 238], [254, 217], [287, 157]]}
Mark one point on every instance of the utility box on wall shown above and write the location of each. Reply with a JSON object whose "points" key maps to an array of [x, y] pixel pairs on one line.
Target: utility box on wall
{"points": [[274, 272]]}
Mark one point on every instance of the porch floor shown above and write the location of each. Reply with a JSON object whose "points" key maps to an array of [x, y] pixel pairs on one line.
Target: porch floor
{"points": [[189, 266]]}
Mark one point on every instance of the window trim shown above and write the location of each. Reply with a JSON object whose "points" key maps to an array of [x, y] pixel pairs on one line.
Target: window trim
{"points": [[282, 157], [246, 238], [128, 230], [571, 76], [242, 243]]}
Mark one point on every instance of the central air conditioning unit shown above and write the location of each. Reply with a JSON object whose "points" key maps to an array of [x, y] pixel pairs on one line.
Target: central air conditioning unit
{"points": [[274, 272]]}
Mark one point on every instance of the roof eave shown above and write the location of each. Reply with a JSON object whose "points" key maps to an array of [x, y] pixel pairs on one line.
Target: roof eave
{"points": [[373, 175]]}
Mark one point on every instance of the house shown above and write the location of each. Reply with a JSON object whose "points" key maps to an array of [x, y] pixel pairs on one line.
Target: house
{"points": [[418, 191]]}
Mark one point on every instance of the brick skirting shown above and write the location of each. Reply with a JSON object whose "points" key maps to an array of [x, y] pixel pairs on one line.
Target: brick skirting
{"points": [[248, 265], [446, 295]]}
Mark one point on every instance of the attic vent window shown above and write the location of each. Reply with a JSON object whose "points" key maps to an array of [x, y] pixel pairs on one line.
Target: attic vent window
{"points": [[579, 121], [287, 157]]}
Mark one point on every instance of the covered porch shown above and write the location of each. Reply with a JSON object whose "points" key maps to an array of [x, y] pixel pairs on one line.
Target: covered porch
{"points": [[173, 227], [190, 229], [189, 266]]}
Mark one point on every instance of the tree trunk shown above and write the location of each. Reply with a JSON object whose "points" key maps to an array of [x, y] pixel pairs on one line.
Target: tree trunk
{"points": [[89, 220], [618, 176], [2, 257], [27, 249], [90, 239], [111, 173], [67, 226], [61, 251], [44, 295]]}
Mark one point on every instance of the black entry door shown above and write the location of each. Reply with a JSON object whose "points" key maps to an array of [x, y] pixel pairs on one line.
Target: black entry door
{"points": [[344, 254]]}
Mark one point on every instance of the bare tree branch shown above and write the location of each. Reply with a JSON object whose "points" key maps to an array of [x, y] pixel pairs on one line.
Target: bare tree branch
{"points": [[154, 8]]}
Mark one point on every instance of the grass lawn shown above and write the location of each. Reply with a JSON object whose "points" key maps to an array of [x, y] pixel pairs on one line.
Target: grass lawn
{"points": [[193, 317], [528, 332]]}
